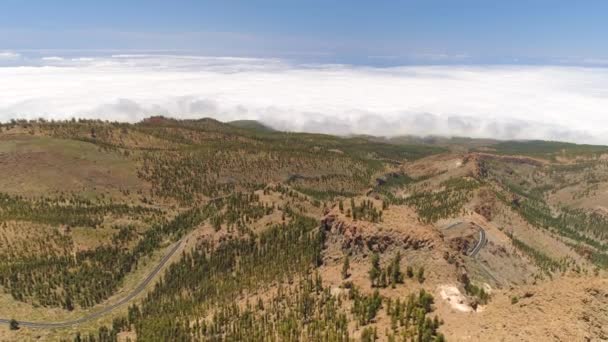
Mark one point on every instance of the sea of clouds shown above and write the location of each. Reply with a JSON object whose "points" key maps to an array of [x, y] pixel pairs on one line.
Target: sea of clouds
{"points": [[505, 102]]}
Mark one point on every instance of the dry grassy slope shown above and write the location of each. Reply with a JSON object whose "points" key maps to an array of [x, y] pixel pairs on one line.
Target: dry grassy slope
{"points": [[40, 162], [583, 195], [421, 245], [122, 135], [34, 166], [498, 264], [25, 239], [508, 272], [569, 307], [500, 267], [565, 309], [435, 165], [37, 165]]}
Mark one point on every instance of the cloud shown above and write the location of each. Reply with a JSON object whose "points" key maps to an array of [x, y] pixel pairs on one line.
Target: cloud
{"points": [[9, 55], [52, 59], [507, 102]]}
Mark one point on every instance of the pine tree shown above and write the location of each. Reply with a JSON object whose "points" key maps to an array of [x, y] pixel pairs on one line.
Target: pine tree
{"points": [[383, 280], [14, 325], [420, 275], [346, 268], [374, 272], [396, 275], [410, 272], [69, 304]]}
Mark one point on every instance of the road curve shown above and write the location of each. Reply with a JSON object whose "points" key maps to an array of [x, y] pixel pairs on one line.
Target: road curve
{"points": [[453, 225], [480, 243], [107, 309]]}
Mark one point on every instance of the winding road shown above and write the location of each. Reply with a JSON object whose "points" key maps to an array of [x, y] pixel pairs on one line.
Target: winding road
{"points": [[109, 308], [480, 243]]}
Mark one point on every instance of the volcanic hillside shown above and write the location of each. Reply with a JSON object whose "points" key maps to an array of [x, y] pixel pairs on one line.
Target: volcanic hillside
{"points": [[254, 234]]}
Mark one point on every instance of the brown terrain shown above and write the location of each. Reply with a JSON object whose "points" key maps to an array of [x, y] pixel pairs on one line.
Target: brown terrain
{"points": [[495, 273]]}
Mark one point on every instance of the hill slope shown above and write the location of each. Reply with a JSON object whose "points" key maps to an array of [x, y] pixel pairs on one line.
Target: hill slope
{"points": [[251, 125], [295, 236]]}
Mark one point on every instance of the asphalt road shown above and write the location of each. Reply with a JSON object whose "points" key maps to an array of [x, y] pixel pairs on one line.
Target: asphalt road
{"points": [[453, 225], [107, 309], [480, 243]]}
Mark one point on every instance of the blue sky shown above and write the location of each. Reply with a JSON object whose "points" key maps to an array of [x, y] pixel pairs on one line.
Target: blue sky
{"points": [[367, 32]]}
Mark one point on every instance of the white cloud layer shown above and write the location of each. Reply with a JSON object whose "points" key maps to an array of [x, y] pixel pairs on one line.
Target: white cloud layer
{"points": [[507, 102], [9, 55]]}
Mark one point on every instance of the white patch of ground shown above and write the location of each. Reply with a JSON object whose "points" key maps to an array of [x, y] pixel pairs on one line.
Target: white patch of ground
{"points": [[457, 300], [336, 291]]}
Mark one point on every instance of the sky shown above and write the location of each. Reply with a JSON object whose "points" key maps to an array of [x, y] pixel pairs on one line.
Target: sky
{"points": [[507, 69]]}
